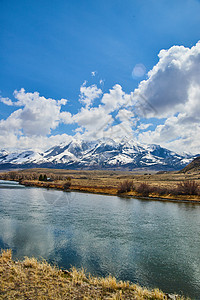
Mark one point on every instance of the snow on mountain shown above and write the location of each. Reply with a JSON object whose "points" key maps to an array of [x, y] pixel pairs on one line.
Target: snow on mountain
{"points": [[100, 154], [19, 157]]}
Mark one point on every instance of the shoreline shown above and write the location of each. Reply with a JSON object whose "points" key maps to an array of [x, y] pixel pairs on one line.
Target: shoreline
{"points": [[171, 186], [110, 191], [37, 279]]}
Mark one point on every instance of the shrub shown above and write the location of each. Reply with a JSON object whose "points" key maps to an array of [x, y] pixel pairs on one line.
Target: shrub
{"points": [[125, 186], [164, 190], [160, 190], [12, 175], [34, 176], [67, 185], [189, 187], [144, 189]]}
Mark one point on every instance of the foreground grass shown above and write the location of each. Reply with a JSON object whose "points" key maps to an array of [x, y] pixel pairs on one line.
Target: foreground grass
{"points": [[31, 279]]}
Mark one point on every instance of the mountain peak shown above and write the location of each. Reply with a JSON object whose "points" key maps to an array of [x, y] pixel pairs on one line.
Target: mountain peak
{"points": [[104, 153]]}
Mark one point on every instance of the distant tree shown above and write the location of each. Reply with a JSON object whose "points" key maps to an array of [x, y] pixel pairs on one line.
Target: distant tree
{"points": [[41, 177]]}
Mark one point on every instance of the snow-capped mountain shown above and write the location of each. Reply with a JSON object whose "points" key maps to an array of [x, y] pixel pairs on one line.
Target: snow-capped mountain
{"points": [[100, 154]]}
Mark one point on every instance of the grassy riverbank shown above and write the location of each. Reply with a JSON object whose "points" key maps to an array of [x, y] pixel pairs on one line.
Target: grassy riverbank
{"points": [[32, 279], [157, 186], [113, 191]]}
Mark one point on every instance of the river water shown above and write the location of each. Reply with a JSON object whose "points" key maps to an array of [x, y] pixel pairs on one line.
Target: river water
{"points": [[153, 243]]}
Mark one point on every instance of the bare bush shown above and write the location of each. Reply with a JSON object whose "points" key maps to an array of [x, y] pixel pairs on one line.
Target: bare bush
{"points": [[12, 175], [125, 186], [144, 189], [189, 187], [160, 190], [67, 185]]}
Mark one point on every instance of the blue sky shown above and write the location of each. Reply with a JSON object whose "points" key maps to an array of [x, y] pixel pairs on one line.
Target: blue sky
{"points": [[52, 47]]}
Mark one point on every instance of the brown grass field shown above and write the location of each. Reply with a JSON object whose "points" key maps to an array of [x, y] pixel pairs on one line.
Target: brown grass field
{"points": [[107, 182], [32, 279]]}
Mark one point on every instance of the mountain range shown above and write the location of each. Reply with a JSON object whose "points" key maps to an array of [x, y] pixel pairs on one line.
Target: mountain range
{"points": [[99, 154]]}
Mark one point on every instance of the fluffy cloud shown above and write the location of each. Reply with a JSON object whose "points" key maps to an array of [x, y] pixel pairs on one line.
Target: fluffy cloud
{"points": [[173, 89], [88, 94], [116, 98], [6, 101], [38, 115], [93, 122], [170, 81], [100, 121], [170, 96], [31, 124], [33, 121], [38, 143]]}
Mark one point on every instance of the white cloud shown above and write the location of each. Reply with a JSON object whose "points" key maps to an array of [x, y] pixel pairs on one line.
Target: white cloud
{"points": [[116, 98], [93, 121], [125, 115], [144, 126], [38, 143], [97, 122], [171, 94], [12, 124], [8, 139], [6, 101], [39, 115], [66, 117], [41, 142], [33, 121], [88, 94], [168, 85], [173, 89]]}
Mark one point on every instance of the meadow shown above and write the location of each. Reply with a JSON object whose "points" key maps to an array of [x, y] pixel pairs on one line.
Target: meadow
{"points": [[161, 185]]}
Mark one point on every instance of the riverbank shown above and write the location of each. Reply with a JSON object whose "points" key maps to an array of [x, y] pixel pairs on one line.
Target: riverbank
{"points": [[103, 190], [33, 279], [162, 186]]}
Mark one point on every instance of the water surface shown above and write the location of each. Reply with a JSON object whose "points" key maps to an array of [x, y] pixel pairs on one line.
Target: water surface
{"points": [[155, 244]]}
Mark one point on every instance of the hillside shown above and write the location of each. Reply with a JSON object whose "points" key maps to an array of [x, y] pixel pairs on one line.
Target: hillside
{"points": [[192, 167]]}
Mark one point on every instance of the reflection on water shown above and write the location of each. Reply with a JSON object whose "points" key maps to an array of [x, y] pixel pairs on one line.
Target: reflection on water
{"points": [[153, 243], [6, 184]]}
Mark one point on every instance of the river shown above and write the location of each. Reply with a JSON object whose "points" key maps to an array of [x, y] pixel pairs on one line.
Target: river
{"points": [[152, 243]]}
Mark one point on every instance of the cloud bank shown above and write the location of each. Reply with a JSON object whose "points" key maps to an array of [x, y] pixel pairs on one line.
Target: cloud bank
{"points": [[170, 97], [173, 88]]}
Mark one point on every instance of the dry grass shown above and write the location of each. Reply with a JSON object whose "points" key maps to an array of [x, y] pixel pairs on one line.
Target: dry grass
{"points": [[108, 182], [31, 279]]}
